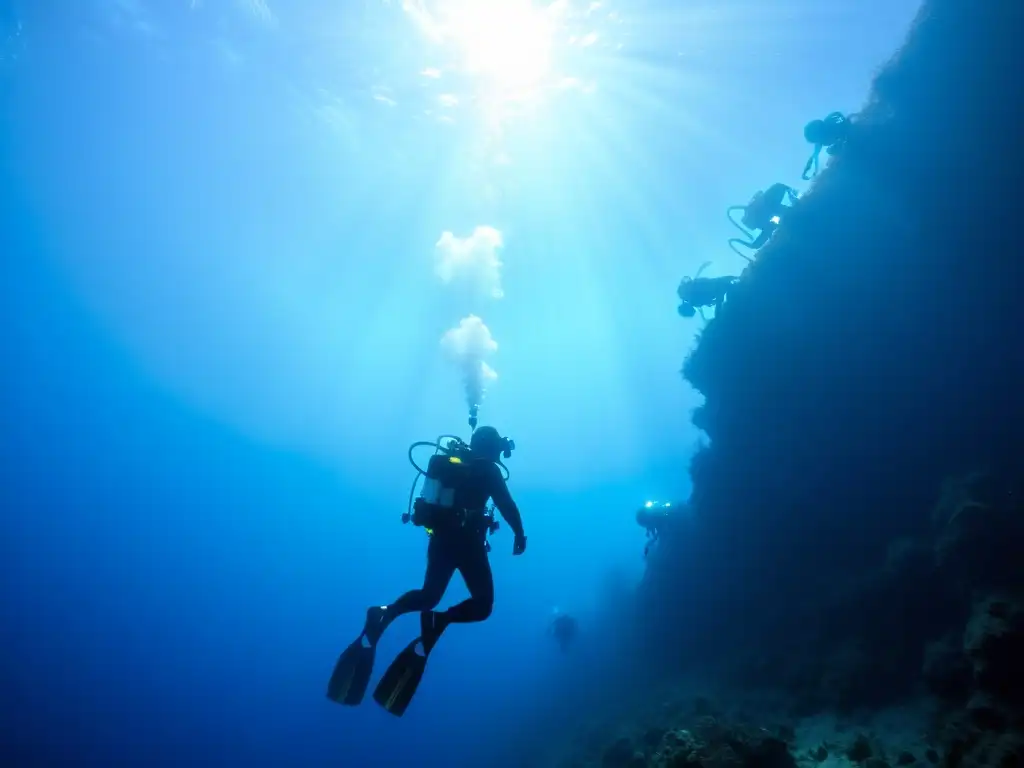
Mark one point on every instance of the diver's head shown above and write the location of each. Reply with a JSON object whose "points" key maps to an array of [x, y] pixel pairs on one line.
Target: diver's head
{"points": [[652, 513], [815, 132], [488, 444], [687, 310], [684, 288]]}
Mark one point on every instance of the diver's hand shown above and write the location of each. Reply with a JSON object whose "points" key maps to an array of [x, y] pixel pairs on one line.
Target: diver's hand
{"points": [[519, 545]]}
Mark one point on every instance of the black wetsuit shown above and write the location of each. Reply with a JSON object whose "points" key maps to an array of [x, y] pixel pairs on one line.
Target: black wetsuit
{"points": [[564, 630], [763, 209], [464, 549], [829, 134], [706, 291]]}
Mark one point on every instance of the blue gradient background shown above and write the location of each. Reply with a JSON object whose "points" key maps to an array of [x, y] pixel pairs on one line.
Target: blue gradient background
{"points": [[220, 330]]}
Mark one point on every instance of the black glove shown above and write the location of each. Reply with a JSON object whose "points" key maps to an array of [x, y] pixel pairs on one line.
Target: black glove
{"points": [[519, 545]]}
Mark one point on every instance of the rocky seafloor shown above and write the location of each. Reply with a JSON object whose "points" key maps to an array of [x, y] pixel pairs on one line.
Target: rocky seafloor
{"points": [[853, 575]]}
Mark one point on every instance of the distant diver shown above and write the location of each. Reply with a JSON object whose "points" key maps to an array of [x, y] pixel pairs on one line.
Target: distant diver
{"points": [[697, 293], [829, 134], [764, 212], [563, 628], [452, 508], [655, 517]]}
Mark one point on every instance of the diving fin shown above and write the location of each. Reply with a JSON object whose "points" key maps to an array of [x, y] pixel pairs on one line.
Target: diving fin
{"points": [[396, 688], [352, 673]]}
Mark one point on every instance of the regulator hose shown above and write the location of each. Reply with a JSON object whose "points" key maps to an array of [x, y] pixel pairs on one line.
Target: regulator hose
{"points": [[734, 241], [742, 228]]}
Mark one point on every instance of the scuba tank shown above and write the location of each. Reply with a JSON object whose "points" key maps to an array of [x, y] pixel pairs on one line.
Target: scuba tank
{"points": [[435, 508], [435, 505]]}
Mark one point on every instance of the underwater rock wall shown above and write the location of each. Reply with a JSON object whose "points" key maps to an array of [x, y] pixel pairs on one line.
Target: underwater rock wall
{"points": [[858, 541], [872, 350]]}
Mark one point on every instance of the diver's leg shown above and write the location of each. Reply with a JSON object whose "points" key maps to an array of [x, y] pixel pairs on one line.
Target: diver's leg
{"points": [[773, 198], [811, 168], [763, 237], [440, 569], [475, 568], [355, 665]]}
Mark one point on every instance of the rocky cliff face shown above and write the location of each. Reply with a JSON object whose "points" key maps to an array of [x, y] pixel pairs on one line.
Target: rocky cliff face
{"points": [[860, 499], [858, 531], [875, 346]]}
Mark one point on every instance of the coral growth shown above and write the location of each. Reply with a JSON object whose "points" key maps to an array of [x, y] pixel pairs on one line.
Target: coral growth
{"points": [[690, 739]]}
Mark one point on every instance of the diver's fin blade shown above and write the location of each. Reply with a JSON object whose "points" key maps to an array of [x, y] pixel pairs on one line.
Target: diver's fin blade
{"points": [[396, 688], [352, 673]]}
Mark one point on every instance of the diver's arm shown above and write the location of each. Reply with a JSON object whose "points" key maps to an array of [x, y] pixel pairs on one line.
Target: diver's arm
{"points": [[505, 505], [812, 162]]}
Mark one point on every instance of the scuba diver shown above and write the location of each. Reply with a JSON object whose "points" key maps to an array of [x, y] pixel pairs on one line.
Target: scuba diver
{"points": [[452, 507], [563, 628], [698, 292], [654, 517], [764, 213], [829, 134]]}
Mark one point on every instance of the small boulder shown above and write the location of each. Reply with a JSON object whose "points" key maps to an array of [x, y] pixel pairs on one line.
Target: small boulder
{"points": [[859, 750], [994, 645], [946, 670], [618, 755]]}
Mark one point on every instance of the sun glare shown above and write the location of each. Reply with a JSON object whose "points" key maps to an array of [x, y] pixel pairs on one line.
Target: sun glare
{"points": [[508, 42]]}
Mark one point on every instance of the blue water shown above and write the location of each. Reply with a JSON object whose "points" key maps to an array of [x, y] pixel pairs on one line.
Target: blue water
{"points": [[221, 328]]}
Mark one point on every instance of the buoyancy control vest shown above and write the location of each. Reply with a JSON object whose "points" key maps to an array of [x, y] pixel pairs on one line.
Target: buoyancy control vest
{"points": [[435, 508]]}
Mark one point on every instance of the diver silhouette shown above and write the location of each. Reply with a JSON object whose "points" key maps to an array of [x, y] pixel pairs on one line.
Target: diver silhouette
{"points": [[829, 134], [698, 293], [763, 213]]}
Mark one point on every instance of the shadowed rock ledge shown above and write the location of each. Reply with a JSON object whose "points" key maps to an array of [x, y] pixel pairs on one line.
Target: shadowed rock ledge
{"points": [[875, 347]]}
